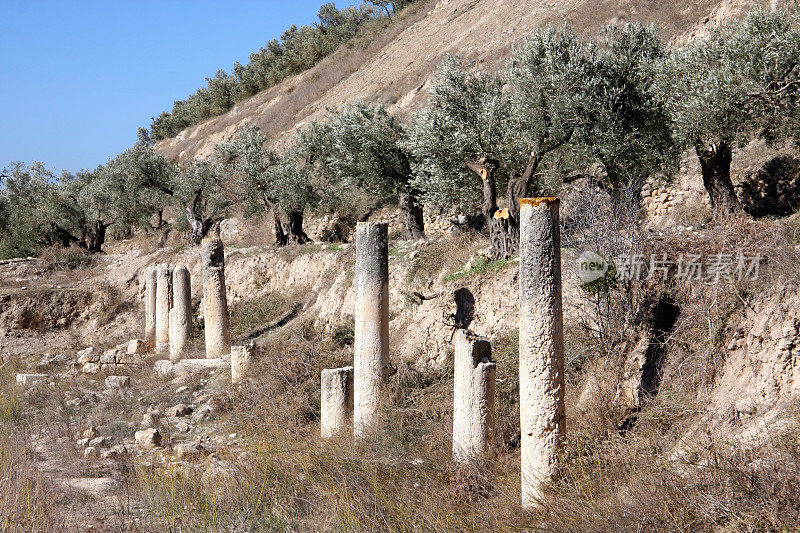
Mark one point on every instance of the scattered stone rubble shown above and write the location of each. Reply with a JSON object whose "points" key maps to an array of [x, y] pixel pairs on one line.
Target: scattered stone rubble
{"points": [[112, 361]]}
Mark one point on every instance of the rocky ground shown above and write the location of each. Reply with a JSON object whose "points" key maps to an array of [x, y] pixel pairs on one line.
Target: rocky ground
{"points": [[116, 440]]}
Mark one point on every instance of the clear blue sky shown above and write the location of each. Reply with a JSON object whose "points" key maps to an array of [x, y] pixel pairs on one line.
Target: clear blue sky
{"points": [[79, 77]]}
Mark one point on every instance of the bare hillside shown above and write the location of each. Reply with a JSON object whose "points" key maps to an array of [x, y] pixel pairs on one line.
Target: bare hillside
{"points": [[394, 65]]}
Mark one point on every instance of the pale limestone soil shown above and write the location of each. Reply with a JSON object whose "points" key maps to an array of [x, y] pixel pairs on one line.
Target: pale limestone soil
{"points": [[90, 503]]}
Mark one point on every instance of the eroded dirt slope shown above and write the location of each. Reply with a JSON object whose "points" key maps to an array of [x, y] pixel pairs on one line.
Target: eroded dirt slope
{"points": [[395, 66]]}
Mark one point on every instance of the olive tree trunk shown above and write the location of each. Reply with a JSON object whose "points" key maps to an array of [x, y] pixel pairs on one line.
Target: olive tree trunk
{"points": [[281, 239], [96, 236], [503, 224], [294, 228], [277, 226], [413, 224], [715, 163], [198, 226]]}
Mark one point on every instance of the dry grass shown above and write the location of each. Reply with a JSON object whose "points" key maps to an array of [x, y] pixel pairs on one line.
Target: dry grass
{"points": [[249, 316], [27, 503], [445, 256], [26, 500], [57, 259], [402, 479]]}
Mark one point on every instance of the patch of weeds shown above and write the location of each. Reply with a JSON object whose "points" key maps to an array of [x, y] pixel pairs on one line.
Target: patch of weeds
{"points": [[248, 315], [410, 298], [56, 259], [443, 255], [579, 347], [10, 407], [480, 266], [505, 352], [343, 333], [397, 252], [310, 249]]}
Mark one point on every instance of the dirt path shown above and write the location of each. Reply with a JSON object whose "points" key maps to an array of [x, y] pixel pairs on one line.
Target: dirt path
{"points": [[98, 503]]}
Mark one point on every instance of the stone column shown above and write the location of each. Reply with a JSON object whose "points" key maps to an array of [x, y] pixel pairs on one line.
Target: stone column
{"points": [[163, 305], [150, 305], [242, 358], [215, 302], [541, 346], [371, 348], [336, 401], [473, 396], [180, 316]]}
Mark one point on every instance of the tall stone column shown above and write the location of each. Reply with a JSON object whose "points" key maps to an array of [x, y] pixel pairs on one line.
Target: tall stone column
{"points": [[473, 396], [163, 305], [215, 301], [371, 347], [242, 358], [180, 316], [336, 401], [150, 305], [541, 346]]}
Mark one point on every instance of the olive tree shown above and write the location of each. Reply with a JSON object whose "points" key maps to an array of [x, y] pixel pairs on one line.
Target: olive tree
{"points": [[740, 83], [150, 172], [291, 184], [26, 220], [462, 131], [625, 124], [202, 192], [547, 75], [473, 126], [246, 161], [360, 146], [279, 183]]}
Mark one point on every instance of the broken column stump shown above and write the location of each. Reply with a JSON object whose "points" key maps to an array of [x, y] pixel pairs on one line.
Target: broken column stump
{"points": [[541, 346], [163, 305], [473, 396], [242, 358], [215, 302], [180, 316], [150, 305], [371, 346], [336, 401]]}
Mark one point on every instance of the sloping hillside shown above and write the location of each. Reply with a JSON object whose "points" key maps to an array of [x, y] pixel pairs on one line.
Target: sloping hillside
{"points": [[393, 67]]}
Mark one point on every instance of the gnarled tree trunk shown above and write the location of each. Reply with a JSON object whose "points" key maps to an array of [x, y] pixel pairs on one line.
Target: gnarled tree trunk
{"points": [[198, 226], [281, 239], [95, 236], [715, 163], [294, 228], [277, 226], [503, 224], [157, 220], [413, 224]]}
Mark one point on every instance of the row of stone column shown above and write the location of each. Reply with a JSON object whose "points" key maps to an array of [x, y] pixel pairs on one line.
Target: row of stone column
{"points": [[168, 305], [358, 389], [168, 309]]}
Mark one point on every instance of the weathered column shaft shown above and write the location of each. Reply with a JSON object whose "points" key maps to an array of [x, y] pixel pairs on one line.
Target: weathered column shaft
{"points": [[150, 304], [242, 358], [336, 401], [371, 347], [163, 305], [473, 396], [541, 346], [180, 317], [215, 302]]}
